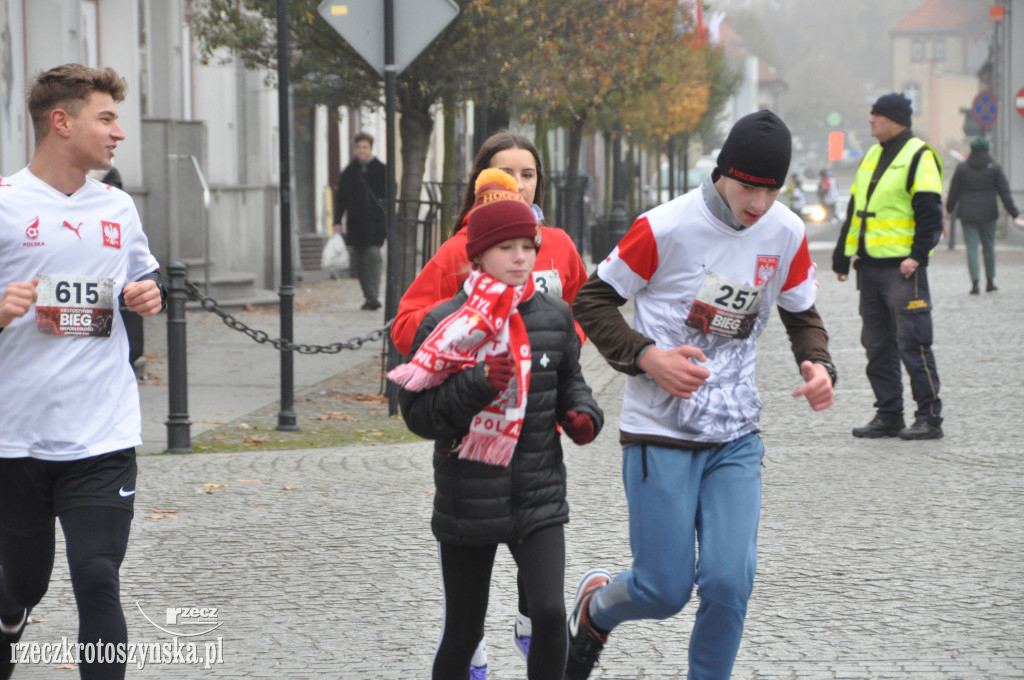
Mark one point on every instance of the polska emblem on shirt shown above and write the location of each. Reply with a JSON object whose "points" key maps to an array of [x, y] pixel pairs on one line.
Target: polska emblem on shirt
{"points": [[766, 266], [32, 234], [111, 234]]}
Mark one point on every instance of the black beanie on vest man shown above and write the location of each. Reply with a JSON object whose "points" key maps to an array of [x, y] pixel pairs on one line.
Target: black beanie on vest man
{"points": [[757, 151], [895, 107]]}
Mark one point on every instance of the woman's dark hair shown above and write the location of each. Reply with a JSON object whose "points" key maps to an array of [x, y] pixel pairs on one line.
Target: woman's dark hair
{"points": [[498, 142]]}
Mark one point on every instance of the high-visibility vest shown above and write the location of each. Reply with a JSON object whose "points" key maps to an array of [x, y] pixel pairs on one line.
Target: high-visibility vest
{"points": [[887, 215]]}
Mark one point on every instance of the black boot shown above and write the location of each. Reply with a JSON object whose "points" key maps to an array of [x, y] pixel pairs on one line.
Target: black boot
{"points": [[991, 287], [879, 427], [974, 288]]}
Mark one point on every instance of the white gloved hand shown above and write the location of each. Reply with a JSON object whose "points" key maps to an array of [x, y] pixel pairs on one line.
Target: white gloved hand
{"points": [[1018, 222]]}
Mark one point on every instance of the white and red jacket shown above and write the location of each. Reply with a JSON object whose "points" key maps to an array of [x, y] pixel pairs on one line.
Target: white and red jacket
{"points": [[697, 281]]}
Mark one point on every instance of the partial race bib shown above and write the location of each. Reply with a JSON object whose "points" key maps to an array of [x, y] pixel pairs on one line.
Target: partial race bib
{"points": [[725, 308], [548, 282], [75, 305]]}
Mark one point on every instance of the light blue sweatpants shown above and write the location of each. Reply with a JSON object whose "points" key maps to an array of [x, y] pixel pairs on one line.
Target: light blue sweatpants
{"points": [[680, 499]]}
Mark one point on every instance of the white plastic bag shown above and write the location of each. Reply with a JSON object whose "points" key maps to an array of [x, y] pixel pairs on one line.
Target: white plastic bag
{"points": [[334, 258]]}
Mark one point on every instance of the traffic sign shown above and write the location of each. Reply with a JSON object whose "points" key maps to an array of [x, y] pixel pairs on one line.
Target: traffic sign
{"points": [[984, 108], [834, 119], [361, 24], [1018, 101]]}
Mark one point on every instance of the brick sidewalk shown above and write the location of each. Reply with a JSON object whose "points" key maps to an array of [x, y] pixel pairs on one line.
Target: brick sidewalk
{"points": [[878, 558]]}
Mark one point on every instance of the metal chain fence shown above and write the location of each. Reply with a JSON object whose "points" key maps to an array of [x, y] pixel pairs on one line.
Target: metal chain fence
{"points": [[210, 305]]}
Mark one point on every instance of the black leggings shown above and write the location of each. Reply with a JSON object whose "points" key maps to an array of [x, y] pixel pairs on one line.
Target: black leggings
{"points": [[96, 539], [466, 575]]}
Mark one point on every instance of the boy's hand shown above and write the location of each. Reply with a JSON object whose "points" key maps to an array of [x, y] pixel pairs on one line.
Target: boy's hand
{"points": [[16, 300], [579, 427], [817, 386], [674, 371], [498, 370], [143, 297]]}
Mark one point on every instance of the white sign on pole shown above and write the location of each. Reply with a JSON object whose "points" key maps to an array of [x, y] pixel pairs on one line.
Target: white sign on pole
{"points": [[361, 24]]}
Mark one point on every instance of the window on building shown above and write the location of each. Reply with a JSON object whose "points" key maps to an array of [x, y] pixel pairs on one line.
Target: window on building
{"points": [[939, 50], [917, 50]]}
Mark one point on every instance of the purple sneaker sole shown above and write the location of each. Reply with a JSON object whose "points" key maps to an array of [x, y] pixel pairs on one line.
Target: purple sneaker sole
{"points": [[522, 645]]}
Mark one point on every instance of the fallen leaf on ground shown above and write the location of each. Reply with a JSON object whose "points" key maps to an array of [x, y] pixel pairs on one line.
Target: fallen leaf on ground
{"points": [[248, 481], [337, 415], [372, 398], [291, 488], [163, 511], [211, 485], [161, 517], [255, 440]]}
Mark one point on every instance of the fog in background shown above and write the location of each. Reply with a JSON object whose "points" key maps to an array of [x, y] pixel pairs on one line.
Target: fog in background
{"points": [[834, 55]]}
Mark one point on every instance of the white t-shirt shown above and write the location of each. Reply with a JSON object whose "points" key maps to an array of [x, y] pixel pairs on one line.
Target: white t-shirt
{"points": [[697, 281], [66, 387]]}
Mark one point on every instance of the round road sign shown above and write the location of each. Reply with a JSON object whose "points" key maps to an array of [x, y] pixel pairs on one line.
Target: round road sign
{"points": [[1018, 101], [984, 108]]}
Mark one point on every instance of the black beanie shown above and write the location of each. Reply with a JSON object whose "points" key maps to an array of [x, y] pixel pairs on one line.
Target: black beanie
{"points": [[757, 151], [895, 107]]}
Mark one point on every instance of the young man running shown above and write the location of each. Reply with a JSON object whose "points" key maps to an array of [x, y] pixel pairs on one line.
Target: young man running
{"points": [[704, 271], [69, 246]]}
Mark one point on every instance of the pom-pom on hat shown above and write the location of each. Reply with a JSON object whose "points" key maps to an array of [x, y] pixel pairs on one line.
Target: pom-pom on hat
{"points": [[757, 151], [979, 144], [894, 106], [499, 213]]}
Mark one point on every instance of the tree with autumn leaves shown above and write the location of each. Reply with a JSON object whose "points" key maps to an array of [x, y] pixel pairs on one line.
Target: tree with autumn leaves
{"points": [[581, 64], [623, 64]]}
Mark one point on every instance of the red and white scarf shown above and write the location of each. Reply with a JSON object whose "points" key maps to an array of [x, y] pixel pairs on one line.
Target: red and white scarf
{"points": [[487, 324]]}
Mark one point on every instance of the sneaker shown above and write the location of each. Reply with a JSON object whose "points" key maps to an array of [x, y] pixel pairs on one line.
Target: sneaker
{"points": [[8, 640], [371, 305], [522, 644], [585, 643], [477, 672]]}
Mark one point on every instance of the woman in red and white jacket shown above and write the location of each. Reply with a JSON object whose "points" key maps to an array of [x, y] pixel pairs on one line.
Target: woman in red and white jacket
{"points": [[559, 270]]}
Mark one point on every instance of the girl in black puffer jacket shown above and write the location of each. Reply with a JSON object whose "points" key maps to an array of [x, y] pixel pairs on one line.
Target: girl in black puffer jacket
{"points": [[494, 370]]}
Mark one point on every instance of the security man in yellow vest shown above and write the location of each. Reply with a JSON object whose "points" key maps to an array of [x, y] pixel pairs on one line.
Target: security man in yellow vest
{"points": [[893, 221]]}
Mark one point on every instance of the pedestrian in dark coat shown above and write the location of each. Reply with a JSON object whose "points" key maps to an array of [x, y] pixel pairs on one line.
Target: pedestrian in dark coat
{"points": [[494, 371], [972, 197], [360, 194]]}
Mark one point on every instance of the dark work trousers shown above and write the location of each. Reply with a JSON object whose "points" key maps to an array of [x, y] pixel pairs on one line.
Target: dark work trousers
{"points": [[368, 265], [897, 325], [466, 573]]}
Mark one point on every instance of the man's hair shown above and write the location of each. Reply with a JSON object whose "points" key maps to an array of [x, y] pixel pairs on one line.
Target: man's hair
{"points": [[363, 137], [67, 87]]}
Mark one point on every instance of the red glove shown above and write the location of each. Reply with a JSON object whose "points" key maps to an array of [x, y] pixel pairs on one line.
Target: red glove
{"points": [[579, 427], [499, 370]]}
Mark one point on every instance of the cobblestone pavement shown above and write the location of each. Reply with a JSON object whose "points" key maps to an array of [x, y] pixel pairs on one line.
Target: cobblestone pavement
{"points": [[878, 559]]}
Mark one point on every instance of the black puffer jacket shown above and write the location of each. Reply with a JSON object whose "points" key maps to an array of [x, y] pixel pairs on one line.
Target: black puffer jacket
{"points": [[972, 193], [476, 503]]}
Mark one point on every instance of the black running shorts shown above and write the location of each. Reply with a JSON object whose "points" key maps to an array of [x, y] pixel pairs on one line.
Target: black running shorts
{"points": [[33, 492]]}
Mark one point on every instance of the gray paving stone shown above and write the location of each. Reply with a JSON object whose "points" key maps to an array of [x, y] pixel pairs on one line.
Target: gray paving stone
{"points": [[878, 558]]}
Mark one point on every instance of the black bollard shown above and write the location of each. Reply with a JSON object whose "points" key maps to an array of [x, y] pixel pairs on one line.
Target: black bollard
{"points": [[179, 439]]}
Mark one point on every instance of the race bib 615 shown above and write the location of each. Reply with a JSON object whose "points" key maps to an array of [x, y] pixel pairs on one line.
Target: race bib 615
{"points": [[75, 305]]}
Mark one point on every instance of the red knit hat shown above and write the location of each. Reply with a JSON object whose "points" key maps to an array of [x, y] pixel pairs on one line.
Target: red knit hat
{"points": [[498, 214]]}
